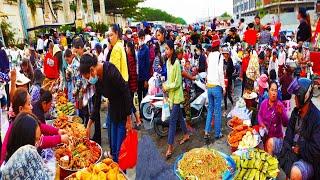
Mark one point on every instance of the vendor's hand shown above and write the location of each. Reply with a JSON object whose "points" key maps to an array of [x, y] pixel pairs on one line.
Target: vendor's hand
{"points": [[145, 85], [296, 149], [62, 132], [13, 75], [128, 123], [65, 139], [88, 132]]}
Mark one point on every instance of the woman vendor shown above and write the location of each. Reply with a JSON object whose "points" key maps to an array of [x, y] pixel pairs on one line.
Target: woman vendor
{"points": [[272, 116]]}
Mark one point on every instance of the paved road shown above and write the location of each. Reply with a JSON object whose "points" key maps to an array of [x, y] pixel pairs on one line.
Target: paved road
{"points": [[196, 138]]}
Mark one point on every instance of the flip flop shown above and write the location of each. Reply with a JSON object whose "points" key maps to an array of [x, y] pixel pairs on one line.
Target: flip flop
{"points": [[182, 141], [169, 155]]}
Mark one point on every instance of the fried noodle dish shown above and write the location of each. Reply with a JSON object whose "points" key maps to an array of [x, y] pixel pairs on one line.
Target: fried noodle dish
{"points": [[202, 163]]}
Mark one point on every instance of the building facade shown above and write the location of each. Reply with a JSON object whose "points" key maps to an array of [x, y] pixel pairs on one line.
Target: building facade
{"points": [[243, 8]]}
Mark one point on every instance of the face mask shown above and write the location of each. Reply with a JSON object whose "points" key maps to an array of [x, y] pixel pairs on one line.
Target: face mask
{"points": [[129, 36], [141, 43], [93, 80]]}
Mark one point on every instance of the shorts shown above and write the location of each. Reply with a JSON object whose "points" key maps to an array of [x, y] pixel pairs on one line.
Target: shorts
{"points": [[305, 168], [277, 145]]}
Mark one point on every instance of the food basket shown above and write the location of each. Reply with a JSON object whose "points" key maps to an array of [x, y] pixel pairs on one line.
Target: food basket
{"points": [[74, 174], [64, 172], [227, 175], [100, 171]]}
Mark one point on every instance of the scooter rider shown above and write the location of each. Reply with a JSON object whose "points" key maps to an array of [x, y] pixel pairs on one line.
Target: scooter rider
{"points": [[300, 153]]}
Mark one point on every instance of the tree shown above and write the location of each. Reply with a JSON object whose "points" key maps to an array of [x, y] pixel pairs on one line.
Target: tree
{"points": [[127, 8], [225, 15], [150, 14], [7, 32]]}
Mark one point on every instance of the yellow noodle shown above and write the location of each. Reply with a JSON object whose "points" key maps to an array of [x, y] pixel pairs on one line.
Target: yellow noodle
{"points": [[202, 164]]}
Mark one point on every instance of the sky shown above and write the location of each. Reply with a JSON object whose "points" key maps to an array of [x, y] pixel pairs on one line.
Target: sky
{"points": [[191, 10]]}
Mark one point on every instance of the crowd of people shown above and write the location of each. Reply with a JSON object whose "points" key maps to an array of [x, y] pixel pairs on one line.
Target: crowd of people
{"points": [[119, 64]]}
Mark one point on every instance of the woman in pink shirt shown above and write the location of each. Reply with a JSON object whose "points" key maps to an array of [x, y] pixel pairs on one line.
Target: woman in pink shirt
{"points": [[273, 117], [21, 102]]}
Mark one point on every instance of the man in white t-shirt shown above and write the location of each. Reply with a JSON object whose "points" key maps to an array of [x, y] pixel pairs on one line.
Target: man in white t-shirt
{"points": [[40, 45]]}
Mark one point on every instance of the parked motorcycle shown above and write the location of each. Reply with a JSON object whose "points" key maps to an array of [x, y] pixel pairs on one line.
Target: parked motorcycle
{"points": [[199, 99]]}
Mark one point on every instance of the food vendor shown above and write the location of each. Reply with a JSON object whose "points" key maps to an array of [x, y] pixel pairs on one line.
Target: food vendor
{"points": [[272, 116], [21, 102], [300, 153], [22, 155], [110, 84]]}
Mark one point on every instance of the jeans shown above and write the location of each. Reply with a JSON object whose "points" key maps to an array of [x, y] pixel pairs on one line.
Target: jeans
{"points": [[70, 91], [228, 94], [175, 116], [118, 133], [142, 92], [214, 107]]}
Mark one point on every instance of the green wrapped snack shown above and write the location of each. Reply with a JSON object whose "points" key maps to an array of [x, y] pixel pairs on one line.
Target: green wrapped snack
{"points": [[258, 164], [272, 167], [258, 155], [252, 174], [263, 156], [241, 174], [271, 160], [251, 163], [245, 164], [246, 176], [262, 176], [273, 173], [265, 167], [251, 154], [237, 160], [257, 175]]}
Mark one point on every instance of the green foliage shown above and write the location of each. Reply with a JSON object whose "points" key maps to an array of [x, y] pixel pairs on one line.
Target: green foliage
{"points": [[65, 28], [73, 6], [33, 5], [7, 32], [101, 28], [150, 14], [98, 27], [79, 30], [225, 15], [128, 8]]}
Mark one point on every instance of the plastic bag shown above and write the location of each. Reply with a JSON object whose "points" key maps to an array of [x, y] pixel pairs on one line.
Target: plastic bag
{"points": [[165, 111], [129, 150]]}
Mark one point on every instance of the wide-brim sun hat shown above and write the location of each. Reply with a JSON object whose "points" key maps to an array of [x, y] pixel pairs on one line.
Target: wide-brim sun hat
{"points": [[22, 79], [263, 81]]}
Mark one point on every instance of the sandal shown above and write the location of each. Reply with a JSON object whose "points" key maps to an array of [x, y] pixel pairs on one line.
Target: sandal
{"points": [[183, 140], [169, 154]]}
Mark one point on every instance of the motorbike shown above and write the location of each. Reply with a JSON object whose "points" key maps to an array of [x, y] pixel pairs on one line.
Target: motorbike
{"points": [[145, 105], [198, 99]]}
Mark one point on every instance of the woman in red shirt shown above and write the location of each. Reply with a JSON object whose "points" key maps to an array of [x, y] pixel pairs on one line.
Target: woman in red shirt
{"points": [[51, 64], [244, 66], [133, 77]]}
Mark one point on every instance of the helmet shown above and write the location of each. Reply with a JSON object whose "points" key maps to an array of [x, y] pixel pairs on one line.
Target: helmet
{"points": [[302, 88]]}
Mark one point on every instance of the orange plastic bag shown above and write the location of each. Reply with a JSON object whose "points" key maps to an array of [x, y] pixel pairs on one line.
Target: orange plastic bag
{"points": [[129, 150]]}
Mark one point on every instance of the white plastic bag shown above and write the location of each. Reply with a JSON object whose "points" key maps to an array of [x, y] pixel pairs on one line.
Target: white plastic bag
{"points": [[165, 111]]}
